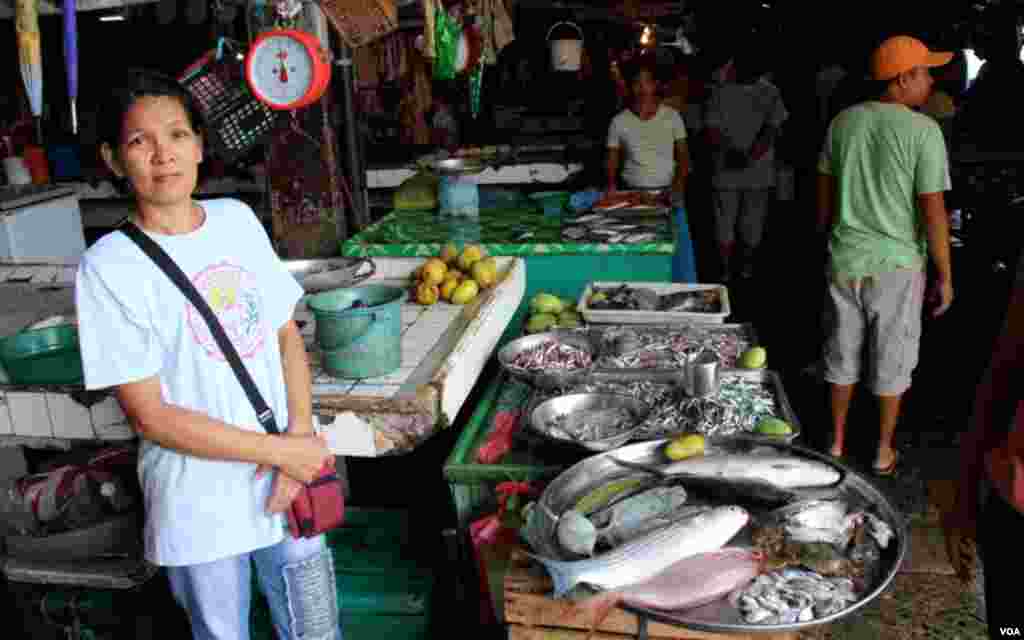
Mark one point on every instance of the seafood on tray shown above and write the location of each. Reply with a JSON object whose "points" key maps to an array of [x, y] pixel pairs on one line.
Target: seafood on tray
{"points": [[625, 297], [631, 199], [634, 347], [646, 556], [672, 537], [691, 582], [549, 355]]}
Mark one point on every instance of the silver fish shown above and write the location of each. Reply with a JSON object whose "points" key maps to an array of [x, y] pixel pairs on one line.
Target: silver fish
{"points": [[641, 513], [649, 554], [793, 595], [812, 521], [779, 471]]}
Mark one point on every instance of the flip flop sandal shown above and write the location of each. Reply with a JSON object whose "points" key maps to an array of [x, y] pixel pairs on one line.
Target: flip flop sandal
{"points": [[891, 468]]}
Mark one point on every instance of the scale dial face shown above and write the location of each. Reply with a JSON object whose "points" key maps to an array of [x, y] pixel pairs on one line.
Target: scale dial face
{"points": [[281, 71]]}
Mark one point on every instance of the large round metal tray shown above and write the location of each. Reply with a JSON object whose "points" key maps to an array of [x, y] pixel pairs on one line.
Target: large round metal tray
{"points": [[719, 617], [326, 274]]}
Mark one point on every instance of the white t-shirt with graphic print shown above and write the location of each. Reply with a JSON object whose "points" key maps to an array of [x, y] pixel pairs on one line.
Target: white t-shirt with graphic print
{"points": [[134, 323]]}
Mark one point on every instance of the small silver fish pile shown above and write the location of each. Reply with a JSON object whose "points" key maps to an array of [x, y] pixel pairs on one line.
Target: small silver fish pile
{"points": [[594, 424], [551, 355], [666, 348], [737, 408], [793, 595]]}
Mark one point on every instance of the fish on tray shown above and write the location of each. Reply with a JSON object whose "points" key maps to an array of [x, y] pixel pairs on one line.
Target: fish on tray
{"points": [[593, 424], [646, 556], [779, 471], [790, 595], [624, 520], [688, 583], [629, 298]]}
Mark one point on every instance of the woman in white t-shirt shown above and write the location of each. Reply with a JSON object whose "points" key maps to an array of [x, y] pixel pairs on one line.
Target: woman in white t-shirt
{"points": [[216, 485], [647, 141]]}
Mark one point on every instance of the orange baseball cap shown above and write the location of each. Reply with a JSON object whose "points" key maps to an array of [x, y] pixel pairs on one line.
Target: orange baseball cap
{"points": [[903, 53]]}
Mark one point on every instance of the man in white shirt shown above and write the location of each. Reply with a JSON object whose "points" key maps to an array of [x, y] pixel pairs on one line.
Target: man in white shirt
{"points": [[648, 140]]}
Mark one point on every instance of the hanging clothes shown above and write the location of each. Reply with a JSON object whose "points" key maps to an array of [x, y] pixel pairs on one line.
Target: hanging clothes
{"points": [[308, 195]]}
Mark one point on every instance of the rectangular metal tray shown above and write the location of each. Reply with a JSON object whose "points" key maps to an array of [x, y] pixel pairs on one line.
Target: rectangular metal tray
{"points": [[624, 316], [784, 409], [746, 332]]}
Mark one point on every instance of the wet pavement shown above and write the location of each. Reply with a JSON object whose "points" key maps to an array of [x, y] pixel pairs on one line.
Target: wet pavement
{"points": [[784, 301]]}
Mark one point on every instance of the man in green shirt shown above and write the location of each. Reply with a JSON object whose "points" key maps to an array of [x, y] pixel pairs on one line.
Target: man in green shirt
{"points": [[881, 178]]}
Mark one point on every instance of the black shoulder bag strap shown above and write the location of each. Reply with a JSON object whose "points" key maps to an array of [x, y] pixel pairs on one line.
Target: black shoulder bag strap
{"points": [[263, 412]]}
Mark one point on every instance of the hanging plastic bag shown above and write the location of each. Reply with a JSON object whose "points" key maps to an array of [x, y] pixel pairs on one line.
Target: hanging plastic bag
{"points": [[446, 39], [476, 80]]}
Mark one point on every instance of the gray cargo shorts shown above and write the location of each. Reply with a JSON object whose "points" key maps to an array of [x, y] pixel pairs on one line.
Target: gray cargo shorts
{"points": [[883, 311]]}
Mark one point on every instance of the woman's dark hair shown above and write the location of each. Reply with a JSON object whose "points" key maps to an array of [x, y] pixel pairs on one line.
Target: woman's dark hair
{"points": [[645, 62], [141, 83]]}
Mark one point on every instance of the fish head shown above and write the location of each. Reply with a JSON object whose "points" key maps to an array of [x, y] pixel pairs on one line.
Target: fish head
{"points": [[733, 516]]}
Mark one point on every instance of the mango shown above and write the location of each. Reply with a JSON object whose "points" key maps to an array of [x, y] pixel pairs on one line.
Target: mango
{"points": [[465, 292], [427, 294], [470, 254], [539, 322], [449, 253], [545, 303], [484, 273], [600, 296], [753, 358], [434, 271], [773, 427], [687, 446], [448, 287]]}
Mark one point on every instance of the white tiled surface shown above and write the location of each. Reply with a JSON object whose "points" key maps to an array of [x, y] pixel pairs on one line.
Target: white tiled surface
{"points": [[44, 414], [30, 414], [6, 427]]}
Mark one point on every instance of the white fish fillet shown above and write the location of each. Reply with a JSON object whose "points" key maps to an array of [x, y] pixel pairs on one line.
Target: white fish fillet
{"points": [[649, 554], [689, 583], [783, 472]]}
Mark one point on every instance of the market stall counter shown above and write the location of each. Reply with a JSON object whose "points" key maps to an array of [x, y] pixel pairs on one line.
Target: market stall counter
{"points": [[562, 250], [443, 349]]}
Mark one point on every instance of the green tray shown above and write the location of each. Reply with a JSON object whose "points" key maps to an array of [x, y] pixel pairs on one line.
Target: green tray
{"points": [[462, 467]]}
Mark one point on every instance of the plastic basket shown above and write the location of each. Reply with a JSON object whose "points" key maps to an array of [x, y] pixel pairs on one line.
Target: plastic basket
{"points": [[360, 22], [235, 120]]}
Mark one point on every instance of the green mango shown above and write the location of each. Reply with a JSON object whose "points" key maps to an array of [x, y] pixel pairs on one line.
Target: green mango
{"points": [[541, 322], [546, 303], [773, 427]]}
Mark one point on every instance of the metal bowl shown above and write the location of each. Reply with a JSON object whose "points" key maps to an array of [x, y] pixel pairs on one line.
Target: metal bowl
{"points": [[457, 166], [545, 415], [326, 274], [554, 378], [565, 491]]}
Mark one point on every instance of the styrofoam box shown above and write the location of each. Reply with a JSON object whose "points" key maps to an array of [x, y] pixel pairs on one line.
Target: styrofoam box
{"points": [[624, 316]]}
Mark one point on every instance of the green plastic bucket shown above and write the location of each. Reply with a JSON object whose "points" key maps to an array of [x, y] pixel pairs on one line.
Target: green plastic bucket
{"points": [[365, 342], [43, 356]]}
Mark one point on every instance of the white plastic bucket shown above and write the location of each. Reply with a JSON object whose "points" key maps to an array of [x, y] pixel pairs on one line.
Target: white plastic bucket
{"points": [[567, 54]]}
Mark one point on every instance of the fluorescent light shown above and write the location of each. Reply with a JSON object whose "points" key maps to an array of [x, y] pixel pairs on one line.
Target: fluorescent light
{"points": [[119, 17]]}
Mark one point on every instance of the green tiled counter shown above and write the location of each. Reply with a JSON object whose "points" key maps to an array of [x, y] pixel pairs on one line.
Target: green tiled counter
{"points": [[552, 264]]}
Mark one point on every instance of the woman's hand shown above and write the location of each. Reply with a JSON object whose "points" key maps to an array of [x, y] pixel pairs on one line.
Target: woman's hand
{"points": [[285, 490], [301, 457]]}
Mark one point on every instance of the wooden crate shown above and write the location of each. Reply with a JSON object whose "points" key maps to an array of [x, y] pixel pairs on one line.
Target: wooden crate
{"points": [[533, 615]]}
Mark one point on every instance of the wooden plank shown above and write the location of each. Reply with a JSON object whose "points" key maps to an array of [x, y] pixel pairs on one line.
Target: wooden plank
{"points": [[522, 632]]}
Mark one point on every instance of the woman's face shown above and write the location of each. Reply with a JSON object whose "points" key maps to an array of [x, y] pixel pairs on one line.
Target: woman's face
{"points": [[644, 85], [159, 151]]}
